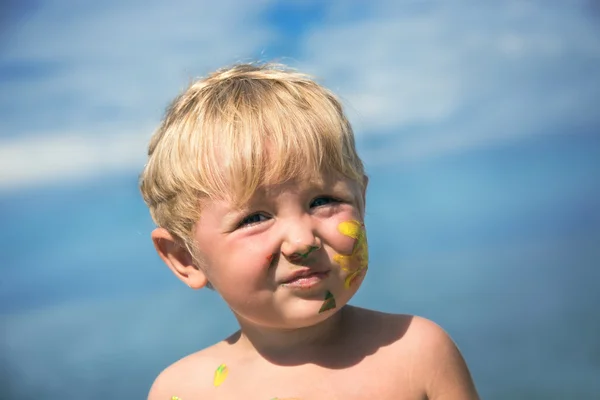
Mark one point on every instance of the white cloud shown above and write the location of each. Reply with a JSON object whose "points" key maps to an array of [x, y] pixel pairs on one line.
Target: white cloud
{"points": [[443, 77], [93, 77], [429, 77], [55, 158]]}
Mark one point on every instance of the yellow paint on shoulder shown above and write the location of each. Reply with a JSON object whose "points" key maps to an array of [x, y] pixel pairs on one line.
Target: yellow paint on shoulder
{"points": [[220, 374]]}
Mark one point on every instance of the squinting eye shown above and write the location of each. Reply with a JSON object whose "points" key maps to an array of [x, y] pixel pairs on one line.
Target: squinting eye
{"points": [[321, 201], [252, 219]]}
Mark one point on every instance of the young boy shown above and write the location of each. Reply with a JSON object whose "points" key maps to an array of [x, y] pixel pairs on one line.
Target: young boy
{"points": [[254, 182]]}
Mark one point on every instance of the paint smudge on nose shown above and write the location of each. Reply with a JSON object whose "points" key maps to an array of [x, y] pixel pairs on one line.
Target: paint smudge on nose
{"points": [[308, 251], [356, 263], [300, 257], [220, 375], [329, 302]]}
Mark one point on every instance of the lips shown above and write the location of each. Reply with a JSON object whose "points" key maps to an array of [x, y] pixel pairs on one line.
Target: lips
{"points": [[305, 273]]}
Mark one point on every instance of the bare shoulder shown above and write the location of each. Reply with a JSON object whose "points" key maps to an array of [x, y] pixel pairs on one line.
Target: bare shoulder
{"points": [[420, 349], [189, 377], [438, 362]]}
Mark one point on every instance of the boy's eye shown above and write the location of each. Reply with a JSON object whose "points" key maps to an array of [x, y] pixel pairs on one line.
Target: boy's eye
{"points": [[321, 201], [252, 219]]}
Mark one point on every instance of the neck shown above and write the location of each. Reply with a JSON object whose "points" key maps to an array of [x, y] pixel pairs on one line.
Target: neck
{"points": [[294, 346]]}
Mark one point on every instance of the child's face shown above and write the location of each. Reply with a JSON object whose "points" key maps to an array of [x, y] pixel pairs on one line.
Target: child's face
{"points": [[286, 230]]}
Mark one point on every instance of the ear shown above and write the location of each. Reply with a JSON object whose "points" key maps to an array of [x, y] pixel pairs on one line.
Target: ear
{"points": [[178, 259]]}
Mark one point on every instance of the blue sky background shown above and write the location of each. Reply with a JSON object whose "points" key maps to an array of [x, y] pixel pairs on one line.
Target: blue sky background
{"points": [[478, 123]]}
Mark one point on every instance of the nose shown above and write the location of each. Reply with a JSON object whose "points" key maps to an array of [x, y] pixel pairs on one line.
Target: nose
{"points": [[300, 239]]}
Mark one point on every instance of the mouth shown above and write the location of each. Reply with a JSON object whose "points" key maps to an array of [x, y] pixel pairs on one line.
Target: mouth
{"points": [[306, 279]]}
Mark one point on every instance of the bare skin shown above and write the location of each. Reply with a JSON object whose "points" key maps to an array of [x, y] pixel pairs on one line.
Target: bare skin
{"points": [[289, 345], [357, 354]]}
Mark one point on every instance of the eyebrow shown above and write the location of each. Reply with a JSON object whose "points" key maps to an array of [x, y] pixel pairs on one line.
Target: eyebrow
{"points": [[263, 193], [232, 217]]}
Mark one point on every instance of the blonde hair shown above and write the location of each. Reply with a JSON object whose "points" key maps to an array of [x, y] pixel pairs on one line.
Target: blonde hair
{"points": [[236, 129]]}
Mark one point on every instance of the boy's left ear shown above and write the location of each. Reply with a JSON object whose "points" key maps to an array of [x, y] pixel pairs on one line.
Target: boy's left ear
{"points": [[178, 259]]}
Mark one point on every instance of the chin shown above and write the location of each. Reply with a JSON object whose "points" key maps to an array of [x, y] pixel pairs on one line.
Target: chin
{"points": [[308, 313]]}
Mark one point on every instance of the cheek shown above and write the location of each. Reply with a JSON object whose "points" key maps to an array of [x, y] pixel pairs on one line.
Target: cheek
{"points": [[343, 235], [341, 244], [261, 255], [243, 266], [251, 262], [354, 260]]}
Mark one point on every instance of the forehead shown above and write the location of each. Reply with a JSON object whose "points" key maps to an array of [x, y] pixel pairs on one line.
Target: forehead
{"points": [[327, 182], [322, 180]]}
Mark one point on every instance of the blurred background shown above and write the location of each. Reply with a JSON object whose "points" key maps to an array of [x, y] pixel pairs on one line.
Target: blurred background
{"points": [[478, 123]]}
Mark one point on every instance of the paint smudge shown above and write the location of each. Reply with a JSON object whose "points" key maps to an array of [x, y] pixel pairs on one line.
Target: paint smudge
{"points": [[329, 302], [220, 374], [359, 254], [175, 398], [270, 258], [299, 257], [308, 251], [354, 276]]}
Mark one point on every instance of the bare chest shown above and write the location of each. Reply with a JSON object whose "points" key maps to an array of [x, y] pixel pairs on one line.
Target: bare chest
{"points": [[315, 383]]}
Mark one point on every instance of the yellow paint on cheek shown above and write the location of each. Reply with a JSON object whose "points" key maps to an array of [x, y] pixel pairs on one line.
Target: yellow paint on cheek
{"points": [[351, 229], [350, 279], [360, 252], [344, 261], [220, 374]]}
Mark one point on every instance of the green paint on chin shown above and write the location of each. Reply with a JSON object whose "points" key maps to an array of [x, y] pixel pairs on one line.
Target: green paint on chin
{"points": [[329, 302]]}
